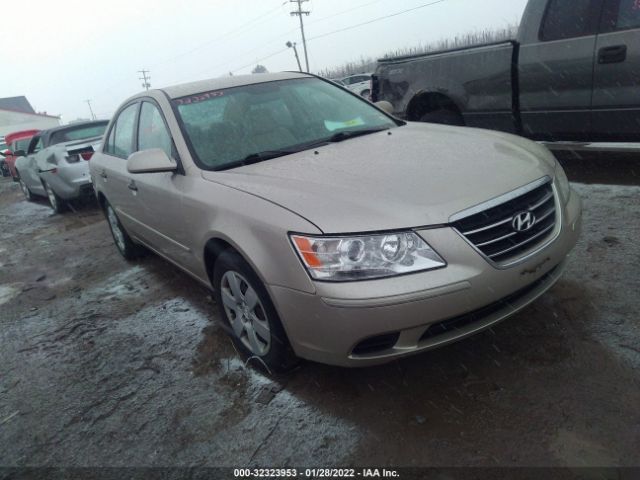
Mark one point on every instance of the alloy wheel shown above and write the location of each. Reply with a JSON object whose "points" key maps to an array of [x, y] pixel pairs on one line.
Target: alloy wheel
{"points": [[246, 313]]}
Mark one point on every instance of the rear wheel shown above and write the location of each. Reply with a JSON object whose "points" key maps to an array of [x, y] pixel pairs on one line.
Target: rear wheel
{"points": [[245, 306], [27, 193], [444, 117], [57, 204], [126, 246]]}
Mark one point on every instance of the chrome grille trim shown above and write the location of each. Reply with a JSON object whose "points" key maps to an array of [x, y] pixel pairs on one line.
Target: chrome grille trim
{"points": [[488, 227], [529, 240]]}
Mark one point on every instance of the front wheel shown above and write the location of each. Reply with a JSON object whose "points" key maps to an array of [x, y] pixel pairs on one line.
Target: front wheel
{"points": [[126, 246], [245, 306], [57, 204]]}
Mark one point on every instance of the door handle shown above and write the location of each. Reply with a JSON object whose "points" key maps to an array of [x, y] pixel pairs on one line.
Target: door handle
{"points": [[132, 186], [614, 54]]}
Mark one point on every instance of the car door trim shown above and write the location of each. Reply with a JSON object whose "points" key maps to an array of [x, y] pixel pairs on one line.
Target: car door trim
{"points": [[153, 230]]}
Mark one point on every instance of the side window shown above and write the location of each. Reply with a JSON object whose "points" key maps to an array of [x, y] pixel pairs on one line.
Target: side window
{"points": [[567, 19], [124, 129], [152, 131], [621, 15], [109, 145]]}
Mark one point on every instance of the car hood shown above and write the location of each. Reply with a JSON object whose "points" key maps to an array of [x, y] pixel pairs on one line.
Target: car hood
{"points": [[418, 175]]}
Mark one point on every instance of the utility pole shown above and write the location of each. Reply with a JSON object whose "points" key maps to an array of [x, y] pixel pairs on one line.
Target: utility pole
{"points": [[93, 116], [299, 13], [145, 78], [295, 52]]}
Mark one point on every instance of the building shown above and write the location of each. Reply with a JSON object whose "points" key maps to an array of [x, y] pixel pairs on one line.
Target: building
{"points": [[16, 113]]}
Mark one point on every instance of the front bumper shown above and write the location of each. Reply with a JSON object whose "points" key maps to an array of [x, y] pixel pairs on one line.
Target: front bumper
{"points": [[372, 322]]}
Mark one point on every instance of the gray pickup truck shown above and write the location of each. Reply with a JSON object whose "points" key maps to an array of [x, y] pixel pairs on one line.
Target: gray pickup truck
{"points": [[572, 75]]}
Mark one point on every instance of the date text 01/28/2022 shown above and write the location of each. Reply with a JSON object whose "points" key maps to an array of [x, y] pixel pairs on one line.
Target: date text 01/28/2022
{"points": [[314, 473]]}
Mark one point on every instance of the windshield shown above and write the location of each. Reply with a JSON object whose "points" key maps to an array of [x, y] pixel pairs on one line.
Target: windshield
{"points": [[226, 126], [79, 133]]}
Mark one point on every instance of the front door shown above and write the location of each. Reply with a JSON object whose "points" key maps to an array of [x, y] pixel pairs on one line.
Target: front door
{"points": [[556, 72], [158, 196], [616, 95]]}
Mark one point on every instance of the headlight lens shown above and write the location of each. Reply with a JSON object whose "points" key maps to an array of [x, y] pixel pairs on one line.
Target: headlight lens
{"points": [[562, 183], [365, 257]]}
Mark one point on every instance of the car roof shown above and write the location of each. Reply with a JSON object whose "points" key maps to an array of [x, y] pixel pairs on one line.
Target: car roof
{"points": [[192, 88], [11, 137]]}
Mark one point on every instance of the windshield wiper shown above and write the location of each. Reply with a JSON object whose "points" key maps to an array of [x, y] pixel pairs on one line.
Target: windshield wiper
{"points": [[257, 158], [346, 134]]}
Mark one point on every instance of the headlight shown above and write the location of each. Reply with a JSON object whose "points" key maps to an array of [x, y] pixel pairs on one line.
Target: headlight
{"points": [[365, 257], [562, 183]]}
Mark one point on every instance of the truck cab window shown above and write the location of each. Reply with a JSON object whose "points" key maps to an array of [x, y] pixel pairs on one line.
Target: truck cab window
{"points": [[621, 15], [566, 19]]}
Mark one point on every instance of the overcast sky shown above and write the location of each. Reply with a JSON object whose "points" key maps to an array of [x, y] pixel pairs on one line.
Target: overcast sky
{"points": [[61, 53]]}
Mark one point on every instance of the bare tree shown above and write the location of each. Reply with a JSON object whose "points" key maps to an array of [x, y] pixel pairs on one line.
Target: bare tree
{"points": [[367, 65], [260, 69]]}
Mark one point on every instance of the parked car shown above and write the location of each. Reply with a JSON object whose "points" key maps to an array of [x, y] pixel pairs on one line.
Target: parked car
{"points": [[326, 228], [360, 84], [55, 164], [4, 169], [17, 143], [571, 75]]}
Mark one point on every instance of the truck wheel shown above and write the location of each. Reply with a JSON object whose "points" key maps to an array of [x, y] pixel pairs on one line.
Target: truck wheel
{"points": [[27, 193], [248, 313], [57, 204], [126, 246], [443, 117]]}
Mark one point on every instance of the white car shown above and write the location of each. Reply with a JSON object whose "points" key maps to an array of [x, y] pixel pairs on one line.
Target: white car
{"points": [[360, 84]]}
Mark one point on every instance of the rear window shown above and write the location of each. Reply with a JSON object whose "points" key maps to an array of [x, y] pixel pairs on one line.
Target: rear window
{"points": [[566, 19], [78, 133]]}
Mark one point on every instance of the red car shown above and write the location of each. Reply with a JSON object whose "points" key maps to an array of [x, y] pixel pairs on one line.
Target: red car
{"points": [[17, 143]]}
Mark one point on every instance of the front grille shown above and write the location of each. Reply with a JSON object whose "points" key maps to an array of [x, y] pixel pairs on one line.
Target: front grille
{"points": [[492, 231], [475, 316]]}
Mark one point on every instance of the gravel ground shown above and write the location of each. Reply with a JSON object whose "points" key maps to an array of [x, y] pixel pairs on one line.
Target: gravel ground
{"points": [[106, 363]]}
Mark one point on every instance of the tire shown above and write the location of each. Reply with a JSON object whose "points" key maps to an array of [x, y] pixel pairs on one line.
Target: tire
{"points": [[57, 204], [125, 245], [27, 193], [248, 313], [443, 117]]}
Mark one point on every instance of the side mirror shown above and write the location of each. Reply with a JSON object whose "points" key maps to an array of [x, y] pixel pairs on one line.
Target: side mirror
{"points": [[150, 161], [385, 106], [6, 153], [19, 153]]}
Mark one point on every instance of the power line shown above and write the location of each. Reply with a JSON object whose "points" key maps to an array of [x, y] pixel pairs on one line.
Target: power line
{"points": [[145, 78], [299, 13], [376, 20], [223, 36]]}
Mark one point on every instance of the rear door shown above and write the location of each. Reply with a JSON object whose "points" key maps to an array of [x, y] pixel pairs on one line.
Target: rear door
{"points": [[556, 71], [616, 95]]}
